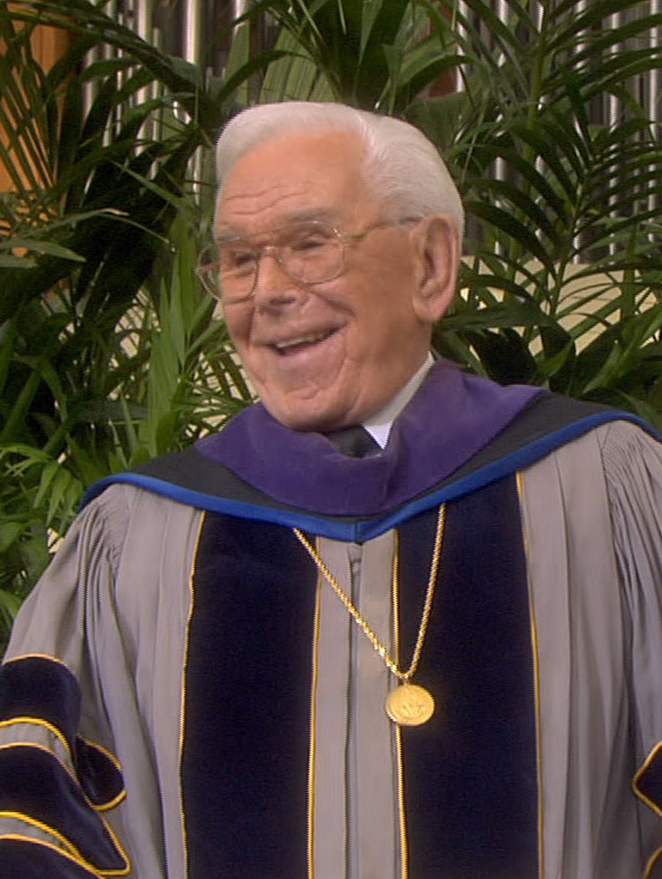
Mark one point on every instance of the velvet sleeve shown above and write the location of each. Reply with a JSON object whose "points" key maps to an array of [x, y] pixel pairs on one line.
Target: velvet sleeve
{"points": [[58, 783]]}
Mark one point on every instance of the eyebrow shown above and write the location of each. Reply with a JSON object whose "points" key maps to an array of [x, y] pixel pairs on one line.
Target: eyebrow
{"points": [[329, 215]]}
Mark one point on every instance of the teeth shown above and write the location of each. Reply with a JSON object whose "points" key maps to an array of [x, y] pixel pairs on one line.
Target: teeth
{"points": [[300, 340]]}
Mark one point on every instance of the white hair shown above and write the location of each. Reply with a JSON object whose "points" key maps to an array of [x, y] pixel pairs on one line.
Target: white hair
{"points": [[400, 164]]}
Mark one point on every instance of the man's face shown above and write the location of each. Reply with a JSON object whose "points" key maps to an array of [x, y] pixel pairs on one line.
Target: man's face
{"points": [[330, 354]]}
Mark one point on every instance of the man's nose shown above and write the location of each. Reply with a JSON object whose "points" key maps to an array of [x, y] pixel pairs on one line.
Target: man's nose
{"points": [[274, 288]]}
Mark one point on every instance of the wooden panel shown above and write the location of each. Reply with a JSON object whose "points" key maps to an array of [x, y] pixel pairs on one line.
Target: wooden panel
{"points": [[48, 44]]}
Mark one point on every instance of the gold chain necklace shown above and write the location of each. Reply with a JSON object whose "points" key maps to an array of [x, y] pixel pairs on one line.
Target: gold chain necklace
{"points": [[408, 704]]}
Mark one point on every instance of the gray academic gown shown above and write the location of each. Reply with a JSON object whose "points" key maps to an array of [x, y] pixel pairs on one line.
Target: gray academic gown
{"points": [[592, 532]]}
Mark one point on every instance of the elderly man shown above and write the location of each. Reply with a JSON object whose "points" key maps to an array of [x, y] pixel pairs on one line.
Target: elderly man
{"points": [[392, 621]]}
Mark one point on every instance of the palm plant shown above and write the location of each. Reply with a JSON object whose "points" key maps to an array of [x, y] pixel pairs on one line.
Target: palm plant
{"points": [[378, 55], [96, 282], [109, 352], [561, 281]]}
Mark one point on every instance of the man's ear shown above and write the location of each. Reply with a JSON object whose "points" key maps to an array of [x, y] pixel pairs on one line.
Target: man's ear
{"points": [[437, 247]]}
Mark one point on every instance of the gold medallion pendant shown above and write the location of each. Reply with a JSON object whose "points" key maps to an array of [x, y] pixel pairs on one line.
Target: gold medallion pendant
{"points": [[409, 705]]}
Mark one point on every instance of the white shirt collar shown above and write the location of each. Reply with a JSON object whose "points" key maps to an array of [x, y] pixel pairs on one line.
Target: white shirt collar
{"points": [[379, 426]]}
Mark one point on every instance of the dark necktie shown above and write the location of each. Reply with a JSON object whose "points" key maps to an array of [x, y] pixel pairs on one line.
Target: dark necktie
{"points": [[355, 442]]}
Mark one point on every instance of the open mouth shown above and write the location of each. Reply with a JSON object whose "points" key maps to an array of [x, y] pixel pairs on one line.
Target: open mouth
{"points": [[300, 343]]}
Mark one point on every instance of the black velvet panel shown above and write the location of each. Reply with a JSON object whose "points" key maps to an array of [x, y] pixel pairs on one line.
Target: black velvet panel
{"points": [[20, 859], [34, 783], [42, 688], [97, 774], [247, 718], [649, 782], [470, 774]]}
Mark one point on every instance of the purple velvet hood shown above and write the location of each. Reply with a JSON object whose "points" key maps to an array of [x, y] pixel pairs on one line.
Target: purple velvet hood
{"points": [[451, 417]]}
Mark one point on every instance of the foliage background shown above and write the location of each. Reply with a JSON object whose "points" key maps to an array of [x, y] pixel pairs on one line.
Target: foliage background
{"points": [[109, 351]]}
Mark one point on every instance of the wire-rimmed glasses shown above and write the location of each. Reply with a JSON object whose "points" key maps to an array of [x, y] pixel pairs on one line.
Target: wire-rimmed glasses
{"points": [[310, 252]]}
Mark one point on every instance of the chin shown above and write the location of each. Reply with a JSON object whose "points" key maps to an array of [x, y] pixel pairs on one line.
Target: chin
{"points": [[306, 422], [306, 417]]}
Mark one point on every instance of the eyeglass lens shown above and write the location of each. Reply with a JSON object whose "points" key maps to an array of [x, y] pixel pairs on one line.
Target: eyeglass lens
{"points": [[308, 252]]}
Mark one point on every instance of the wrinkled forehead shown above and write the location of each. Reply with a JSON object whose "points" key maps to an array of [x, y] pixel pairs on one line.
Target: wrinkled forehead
{"points": [[298, 175]]}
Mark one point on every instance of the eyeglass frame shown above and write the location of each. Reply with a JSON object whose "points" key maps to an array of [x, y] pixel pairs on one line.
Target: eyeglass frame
{"points": [[261, 249]]}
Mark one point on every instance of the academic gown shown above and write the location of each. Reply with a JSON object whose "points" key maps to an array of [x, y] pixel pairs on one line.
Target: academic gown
{"points": [[184, 695]]}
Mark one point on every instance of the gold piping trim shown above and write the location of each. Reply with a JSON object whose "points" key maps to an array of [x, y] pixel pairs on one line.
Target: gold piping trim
{"points": [[97, 747], [46, 828], [651, 863], [72, 852], [39, 656], [109, 804], [106, 825], [43, 748], [536, 678], [182, 710], [49, 845], [35, 721], [402, 818], [635, 781], [106, 807], [38, 721], [312, 753]]}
